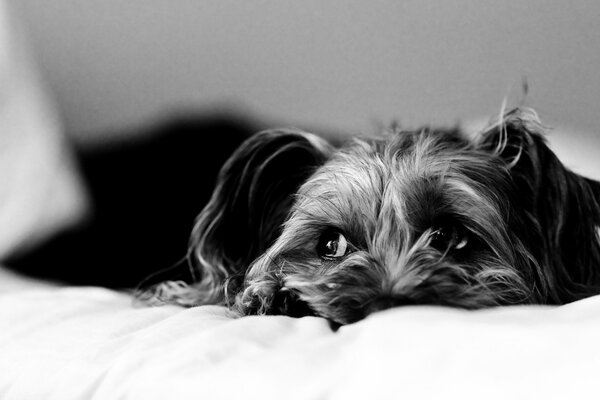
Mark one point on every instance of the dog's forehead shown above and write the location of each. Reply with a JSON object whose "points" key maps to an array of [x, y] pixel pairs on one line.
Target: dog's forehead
{"points": [[396, 175], [365, 168]]}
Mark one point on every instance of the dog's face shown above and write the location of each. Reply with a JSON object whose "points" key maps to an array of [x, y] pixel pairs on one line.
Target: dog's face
{"points": [[299, 227], [416, 218]]}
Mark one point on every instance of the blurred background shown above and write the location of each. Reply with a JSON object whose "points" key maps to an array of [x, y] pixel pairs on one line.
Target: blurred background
{"points": [[339, 64]]}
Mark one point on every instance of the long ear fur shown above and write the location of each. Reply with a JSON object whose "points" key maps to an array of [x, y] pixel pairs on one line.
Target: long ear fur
{"points": [[251, 200], [562, 208]]}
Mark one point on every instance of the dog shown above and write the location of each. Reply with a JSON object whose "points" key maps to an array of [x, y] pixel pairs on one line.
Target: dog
{"points": [[297, 226]]}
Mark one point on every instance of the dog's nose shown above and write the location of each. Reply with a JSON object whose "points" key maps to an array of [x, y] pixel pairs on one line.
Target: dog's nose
{"points": [[384, 303]]}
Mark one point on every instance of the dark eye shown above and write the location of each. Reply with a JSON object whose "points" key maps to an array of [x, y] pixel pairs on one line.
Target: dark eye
{"points": [[332, 244], [449, 237]]}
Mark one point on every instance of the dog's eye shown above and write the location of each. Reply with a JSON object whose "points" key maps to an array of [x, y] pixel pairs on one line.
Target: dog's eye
{"points": [[332, 244], [449, 237]]}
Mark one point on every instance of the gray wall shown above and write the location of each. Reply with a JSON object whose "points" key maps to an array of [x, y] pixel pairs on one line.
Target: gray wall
{"points": [[339, 63]]}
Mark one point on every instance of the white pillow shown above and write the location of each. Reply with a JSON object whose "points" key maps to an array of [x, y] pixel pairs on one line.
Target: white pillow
{"points": [[39, 189]]}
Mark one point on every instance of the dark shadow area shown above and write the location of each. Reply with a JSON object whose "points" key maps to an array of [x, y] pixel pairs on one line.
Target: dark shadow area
{"points": [[146, 194]]}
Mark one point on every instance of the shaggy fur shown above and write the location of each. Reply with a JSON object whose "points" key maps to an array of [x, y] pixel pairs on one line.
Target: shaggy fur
{"points": [[298, 227]]}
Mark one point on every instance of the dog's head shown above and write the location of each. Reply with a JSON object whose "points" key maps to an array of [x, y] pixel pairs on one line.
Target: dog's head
{"points": [[298, 227]]}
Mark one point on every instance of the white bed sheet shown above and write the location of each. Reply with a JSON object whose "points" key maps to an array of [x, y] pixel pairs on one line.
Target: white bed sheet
{"points": [[91, 343]]}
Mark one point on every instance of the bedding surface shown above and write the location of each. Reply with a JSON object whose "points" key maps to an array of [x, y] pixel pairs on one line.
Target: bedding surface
{"points": [[92, 343]]}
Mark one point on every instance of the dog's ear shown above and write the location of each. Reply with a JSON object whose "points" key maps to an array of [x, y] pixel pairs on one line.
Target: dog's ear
{"points": [[253, 195], [562, 208]]}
